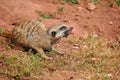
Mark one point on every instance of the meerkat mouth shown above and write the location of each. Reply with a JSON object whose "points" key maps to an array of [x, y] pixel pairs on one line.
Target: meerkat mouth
{"points": [[68, 32], [71, 32]]}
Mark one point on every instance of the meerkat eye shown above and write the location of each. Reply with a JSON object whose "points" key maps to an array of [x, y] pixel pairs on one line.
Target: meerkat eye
{"points": [[63, 28], [53, 33]]}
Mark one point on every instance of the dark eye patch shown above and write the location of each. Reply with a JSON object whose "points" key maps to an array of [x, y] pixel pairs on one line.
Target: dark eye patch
{"points": [[53, 33], [63, 28]]}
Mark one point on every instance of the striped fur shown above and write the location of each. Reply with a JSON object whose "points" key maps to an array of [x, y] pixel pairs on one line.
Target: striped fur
{"points": [[32, 33]]}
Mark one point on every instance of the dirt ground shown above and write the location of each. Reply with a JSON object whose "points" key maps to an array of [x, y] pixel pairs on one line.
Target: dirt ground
{"points": [[103, 20]]}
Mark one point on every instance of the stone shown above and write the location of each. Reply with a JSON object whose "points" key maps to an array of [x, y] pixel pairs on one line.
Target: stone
{"points": [[91, 6]]}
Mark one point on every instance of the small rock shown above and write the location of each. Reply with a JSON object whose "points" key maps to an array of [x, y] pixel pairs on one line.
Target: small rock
{"points": [[108, 75], [110, 22], [95, 35], [93, 59], [80, 8], [91, 6], [75, 47], [85, 46]]}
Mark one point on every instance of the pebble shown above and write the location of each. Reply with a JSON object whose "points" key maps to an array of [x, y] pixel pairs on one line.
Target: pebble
{"points": [[110, 22], [75, 47], [85, 46], [91, 6]]}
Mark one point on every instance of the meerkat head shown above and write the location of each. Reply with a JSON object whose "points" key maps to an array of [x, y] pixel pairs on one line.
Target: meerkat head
{"points": [[57, 32]]}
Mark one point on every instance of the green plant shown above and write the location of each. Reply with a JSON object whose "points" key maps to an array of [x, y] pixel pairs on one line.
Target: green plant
{"points": [[118, 2], [61, 9], [72, 1], [44, 15], [19, 64], [111, 3], [1, 31], [95, 1]]}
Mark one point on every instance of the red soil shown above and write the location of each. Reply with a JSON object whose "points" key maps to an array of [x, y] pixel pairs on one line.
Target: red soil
{"points": [[104, 20]]}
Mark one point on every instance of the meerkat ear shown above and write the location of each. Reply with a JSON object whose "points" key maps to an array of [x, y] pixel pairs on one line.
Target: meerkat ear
{"points": [[53, 33]]}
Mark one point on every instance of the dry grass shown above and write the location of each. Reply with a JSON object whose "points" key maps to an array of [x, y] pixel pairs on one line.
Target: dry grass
{"points": [[91, 59]]}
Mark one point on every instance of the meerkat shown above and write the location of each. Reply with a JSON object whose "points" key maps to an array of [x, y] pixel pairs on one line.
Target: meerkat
{"points": [[33, 34]]}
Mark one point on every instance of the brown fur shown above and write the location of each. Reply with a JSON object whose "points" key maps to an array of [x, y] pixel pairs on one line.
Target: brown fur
{"points": [[32, 33]]}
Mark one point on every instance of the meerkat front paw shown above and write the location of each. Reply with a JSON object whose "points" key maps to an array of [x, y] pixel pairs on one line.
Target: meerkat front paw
{"points": [[58, 52]]}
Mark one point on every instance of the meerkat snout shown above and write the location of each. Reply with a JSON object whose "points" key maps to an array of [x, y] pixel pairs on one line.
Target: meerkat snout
{"points": [[59, 31]]}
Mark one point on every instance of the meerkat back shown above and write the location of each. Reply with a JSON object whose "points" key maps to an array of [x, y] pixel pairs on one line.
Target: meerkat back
{"points": [[31, 33]]}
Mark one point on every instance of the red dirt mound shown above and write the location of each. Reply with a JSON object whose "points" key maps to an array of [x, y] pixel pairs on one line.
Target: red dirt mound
{"points": [[103, 20]]}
